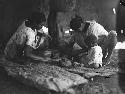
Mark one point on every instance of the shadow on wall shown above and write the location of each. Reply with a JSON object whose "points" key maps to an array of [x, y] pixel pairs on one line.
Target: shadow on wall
{"points": [[102, 11]]}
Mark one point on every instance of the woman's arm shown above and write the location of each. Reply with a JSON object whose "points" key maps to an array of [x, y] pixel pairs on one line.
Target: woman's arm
{"points": [[28, 52], [71, 42]]}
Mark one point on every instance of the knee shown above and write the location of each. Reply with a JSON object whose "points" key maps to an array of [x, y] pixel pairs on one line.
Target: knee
{"points": [[112, 38], [113, 33]]}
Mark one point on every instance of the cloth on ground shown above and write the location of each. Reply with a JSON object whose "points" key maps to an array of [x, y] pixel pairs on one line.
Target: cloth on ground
{"points": [[93, 56]]}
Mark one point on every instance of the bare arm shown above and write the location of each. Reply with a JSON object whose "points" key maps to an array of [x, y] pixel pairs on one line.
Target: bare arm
{"points": [[71, 42], [28, 52]]}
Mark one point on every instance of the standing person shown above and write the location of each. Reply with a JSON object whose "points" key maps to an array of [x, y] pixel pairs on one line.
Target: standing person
{"points": [[29, 40]]}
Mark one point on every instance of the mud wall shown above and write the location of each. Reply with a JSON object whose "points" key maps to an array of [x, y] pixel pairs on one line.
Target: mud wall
{"points": [[99, 10], [12, 12]]}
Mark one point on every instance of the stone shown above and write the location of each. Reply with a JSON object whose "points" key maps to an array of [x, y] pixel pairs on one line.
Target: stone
{"points": [[43, 76], [105, 71]]}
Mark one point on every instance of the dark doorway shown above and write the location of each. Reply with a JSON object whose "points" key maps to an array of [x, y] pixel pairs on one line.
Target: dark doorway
{"points": [[120, 25]]}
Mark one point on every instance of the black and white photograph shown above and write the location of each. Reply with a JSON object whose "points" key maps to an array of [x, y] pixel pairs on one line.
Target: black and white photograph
{"points": [[62, 46]]}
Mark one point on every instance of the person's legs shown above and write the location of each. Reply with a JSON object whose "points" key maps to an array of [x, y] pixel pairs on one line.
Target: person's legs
{"points": [[108, 44], [112, 41], [103, 43]]}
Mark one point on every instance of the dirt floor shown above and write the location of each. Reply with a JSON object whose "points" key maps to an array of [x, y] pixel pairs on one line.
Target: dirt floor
{"points": [[9, 85], [114, 84]]}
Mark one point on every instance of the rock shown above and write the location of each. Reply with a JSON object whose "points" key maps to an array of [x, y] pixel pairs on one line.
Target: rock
{"points": [[43, 76], [65, 62], [90, 88], [105, 71]]}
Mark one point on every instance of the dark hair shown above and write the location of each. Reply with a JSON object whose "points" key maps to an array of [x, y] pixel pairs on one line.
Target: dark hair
{"points": [[36, 17], [87, 24], [91, 40], [75, 23]]}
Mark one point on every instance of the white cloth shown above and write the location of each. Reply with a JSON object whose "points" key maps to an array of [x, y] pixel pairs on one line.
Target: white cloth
{"points": [[23, 36], [96, 29], [95, 55], [33, 40]]}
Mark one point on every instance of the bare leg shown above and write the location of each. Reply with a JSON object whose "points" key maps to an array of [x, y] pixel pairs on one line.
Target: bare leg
{"points": [[104, 45], [107, 45], [112, 41], [104, 51]]}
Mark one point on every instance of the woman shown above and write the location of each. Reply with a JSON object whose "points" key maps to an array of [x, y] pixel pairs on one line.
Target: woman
{"points": [[28, 40]]}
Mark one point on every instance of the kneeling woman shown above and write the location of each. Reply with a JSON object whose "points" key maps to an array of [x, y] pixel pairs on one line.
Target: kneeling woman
{"points": [[93, 57], [28, 40]]}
